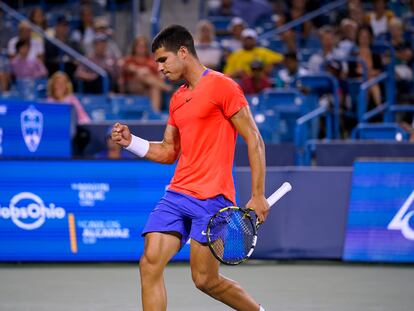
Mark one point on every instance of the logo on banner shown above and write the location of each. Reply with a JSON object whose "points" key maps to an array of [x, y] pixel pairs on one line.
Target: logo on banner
{"points": [[89, 193], [28, 211], [401, 220], [31, 121], [94, 230]]}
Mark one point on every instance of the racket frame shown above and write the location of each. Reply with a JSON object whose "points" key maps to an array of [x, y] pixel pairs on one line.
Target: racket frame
{"points": [[276, 196], [255, 226]]}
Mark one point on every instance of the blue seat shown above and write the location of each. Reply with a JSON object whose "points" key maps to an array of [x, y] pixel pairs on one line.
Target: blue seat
{"points": [[97, 106], [284, 107], [130, 107], [379, 131], [319, 85], [26, 88]]}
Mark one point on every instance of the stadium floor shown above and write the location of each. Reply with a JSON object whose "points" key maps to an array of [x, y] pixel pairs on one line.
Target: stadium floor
{"points": [[278, 286]]}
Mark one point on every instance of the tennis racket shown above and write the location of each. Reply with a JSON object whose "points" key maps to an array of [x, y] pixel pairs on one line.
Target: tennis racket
{"points": [[232, 231]]}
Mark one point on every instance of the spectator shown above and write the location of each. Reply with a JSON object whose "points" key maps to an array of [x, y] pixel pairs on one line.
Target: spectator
{"points": [[101, 26], [208, 51], [113, 151], [298, 9], [139, 74], [328, 52], [23, 67], [38, 18], [25, 34], [60, 90], [356, 12], [92, 82], [379, 18], [403, 53], [348, 30], [225, 8], [55, 58], [238, 63], [234, 43], [4, 73], [85, 33], [291, 71], [257, 81], [373, 61]]}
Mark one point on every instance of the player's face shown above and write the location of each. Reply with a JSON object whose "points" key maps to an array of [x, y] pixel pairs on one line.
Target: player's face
{"points": [[170, 63]]}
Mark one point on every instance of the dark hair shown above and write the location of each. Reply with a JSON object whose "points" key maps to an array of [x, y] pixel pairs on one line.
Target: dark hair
{"points": [[365, 28], [291, 55], [21, 43], [172, 38]]}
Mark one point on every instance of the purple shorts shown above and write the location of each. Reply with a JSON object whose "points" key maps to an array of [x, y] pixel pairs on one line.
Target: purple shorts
{"points": [[178, 212]]}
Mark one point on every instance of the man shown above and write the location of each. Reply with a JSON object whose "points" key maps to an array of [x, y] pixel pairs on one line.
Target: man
{"points": [[205, 115], [92, 82], [56, 59], [37, 48], [238, 62]]}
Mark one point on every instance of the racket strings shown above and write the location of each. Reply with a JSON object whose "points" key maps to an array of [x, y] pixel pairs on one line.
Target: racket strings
{"points": [[233, 233]]}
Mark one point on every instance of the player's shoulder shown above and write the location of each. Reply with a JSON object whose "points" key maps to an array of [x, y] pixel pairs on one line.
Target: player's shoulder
{"points": [[220, 80]]}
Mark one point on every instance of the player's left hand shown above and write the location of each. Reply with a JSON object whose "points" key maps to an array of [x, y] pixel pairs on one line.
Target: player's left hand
{"points": [[260, 206]]}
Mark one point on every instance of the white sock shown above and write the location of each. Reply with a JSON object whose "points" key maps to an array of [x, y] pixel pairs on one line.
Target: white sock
{"points": [[261, 309]]}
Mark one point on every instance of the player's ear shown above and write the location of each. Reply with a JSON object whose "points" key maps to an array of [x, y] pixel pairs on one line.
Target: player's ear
{"points": [[182, 52]]}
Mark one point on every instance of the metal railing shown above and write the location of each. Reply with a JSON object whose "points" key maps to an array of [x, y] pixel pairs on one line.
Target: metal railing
{"points": [[301, 132], [155, 17]]}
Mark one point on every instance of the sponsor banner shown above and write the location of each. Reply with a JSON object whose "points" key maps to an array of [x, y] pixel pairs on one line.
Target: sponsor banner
{"points": [[78, 210], [29, 129], [381, 212]]}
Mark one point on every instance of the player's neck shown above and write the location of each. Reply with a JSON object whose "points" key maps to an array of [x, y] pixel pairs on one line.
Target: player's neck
{"points": [[194, 74]]}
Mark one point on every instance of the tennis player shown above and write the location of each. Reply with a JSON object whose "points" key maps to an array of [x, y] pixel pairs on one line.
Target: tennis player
{"points": [[206, 113]]}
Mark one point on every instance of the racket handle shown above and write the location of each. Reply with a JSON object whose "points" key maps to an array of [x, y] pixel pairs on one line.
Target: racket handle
{"points": [[279, 193]]}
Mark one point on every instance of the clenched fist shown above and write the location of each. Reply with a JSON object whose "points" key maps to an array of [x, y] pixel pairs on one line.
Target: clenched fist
{"points": [[121, 134]]}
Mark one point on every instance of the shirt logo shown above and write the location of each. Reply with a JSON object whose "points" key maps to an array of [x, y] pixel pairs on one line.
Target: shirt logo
{"points": [[203, 232], [188, 99]]}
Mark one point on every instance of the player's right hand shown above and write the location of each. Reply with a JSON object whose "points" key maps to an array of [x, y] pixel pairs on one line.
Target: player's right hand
{"points": [[121, 134]]}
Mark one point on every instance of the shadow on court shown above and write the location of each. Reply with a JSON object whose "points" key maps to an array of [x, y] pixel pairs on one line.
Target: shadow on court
{"points": [[278, 286]]}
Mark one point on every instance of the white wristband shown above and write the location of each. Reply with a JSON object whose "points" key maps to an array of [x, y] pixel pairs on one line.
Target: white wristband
{"points": [[138, 146]]}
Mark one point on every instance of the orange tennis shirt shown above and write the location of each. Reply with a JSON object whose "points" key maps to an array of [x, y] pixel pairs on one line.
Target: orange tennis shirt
{"points": [[208, 138]]}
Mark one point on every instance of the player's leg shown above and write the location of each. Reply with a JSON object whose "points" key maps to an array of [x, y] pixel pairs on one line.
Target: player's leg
{"points": [[159, 249], [206, 277]]}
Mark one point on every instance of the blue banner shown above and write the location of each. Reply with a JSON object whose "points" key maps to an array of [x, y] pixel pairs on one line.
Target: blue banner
{"points": [[29, 129], [380, 220], [83, 210]]}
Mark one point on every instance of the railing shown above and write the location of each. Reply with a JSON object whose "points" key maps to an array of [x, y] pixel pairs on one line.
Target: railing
{"points": [[301, 132], [388, 77], [155, 17], [71, 52], [307, 17]]}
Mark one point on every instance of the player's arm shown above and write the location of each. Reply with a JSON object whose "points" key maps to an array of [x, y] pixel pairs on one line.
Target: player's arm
{"points": [[245, 125], [165, 151]]}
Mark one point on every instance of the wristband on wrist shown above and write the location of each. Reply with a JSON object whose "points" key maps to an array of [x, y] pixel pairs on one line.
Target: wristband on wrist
{"points": [[138, 146]]}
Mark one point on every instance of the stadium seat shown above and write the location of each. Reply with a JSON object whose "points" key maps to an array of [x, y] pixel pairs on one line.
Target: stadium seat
{"points": [[97, 106], [130, 107], [379, 131], [282, 107]]}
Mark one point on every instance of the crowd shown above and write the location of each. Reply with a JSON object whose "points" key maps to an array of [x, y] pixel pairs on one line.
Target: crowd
{"points": [[340, 43]]}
